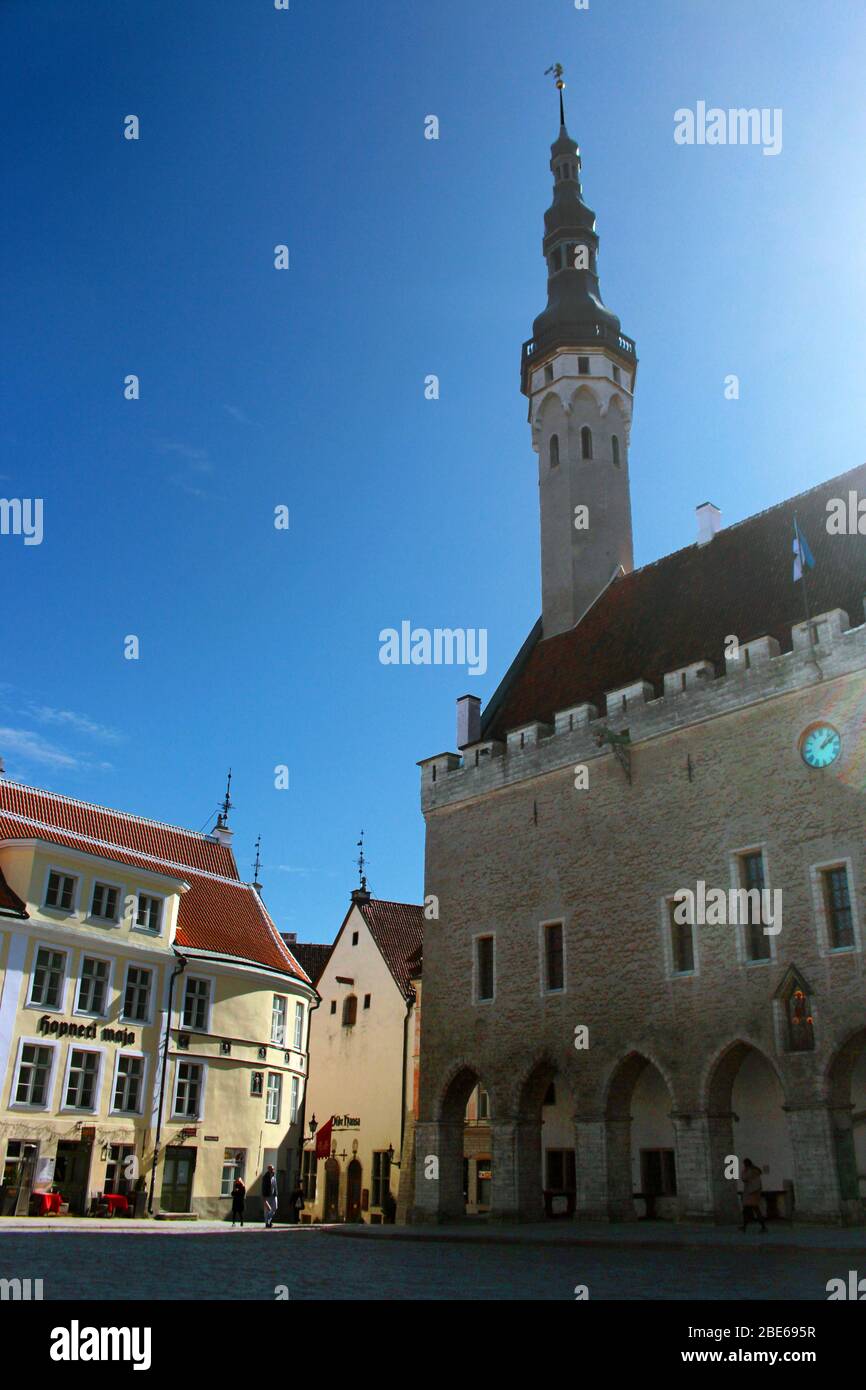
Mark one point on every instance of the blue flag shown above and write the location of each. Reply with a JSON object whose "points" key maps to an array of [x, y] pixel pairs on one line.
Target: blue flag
{"points": [[803, 557]]}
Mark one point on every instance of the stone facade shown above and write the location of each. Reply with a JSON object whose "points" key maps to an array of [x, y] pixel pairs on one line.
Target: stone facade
{"points": [[512, 844]]}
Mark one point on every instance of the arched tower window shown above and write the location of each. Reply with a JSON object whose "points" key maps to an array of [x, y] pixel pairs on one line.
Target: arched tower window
{"points": [[554, 451], [350, 1010], [614, 444], [586, 442]]}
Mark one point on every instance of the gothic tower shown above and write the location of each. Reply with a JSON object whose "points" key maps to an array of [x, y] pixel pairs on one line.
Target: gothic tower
{"points": [[578, 371]]}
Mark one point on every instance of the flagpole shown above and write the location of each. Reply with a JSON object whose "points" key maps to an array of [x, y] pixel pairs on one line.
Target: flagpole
{"points": [[810, 635]]}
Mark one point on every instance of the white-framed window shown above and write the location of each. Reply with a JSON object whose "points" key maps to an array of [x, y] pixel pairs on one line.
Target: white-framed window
{"points": [[188, 1091], [279, 1012], [105, 903], [299, 1026], [130, 1069], [294, 1101], [81, 1086], [274, 1099], [34, 1075], [196, 1004], [234, 1166], [137, 991], [148, 913], [552, 947], [484, 968], [48, 981], [61, 890], [93, 986]]}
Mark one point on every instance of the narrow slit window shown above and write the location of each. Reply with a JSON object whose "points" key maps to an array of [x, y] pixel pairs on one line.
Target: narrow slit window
{"points": [[586, 442]]}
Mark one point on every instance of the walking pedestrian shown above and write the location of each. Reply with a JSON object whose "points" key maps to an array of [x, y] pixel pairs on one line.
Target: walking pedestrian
{"points": [[239, 1198], [269, 1196], [752, 1196]]}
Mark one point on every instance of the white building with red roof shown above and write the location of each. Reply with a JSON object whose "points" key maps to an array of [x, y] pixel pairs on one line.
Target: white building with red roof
{"points": [[153, 1023]]}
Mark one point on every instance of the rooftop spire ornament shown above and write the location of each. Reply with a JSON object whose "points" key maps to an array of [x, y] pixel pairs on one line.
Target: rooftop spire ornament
{"points": [[361, 862], [258, 864], [557, 70], [227, 805]]}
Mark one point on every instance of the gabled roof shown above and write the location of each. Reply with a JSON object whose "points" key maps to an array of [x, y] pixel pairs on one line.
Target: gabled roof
{"points": [[398, 931], [680, 609], [219, 915], [312, 956]]}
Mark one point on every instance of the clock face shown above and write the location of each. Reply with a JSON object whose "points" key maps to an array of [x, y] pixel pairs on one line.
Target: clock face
{"points": [[820, 745]]}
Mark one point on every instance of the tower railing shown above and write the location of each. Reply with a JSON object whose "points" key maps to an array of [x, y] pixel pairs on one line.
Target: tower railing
{"points": [[593, 335]]}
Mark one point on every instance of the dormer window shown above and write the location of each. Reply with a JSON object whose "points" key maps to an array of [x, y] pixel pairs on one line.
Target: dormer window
{"points": [[148, 914], [105, 900], [60, 892]]}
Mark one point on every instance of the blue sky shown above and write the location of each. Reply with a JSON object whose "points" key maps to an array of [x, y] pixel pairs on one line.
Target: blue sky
{"points": [[305, 387]]}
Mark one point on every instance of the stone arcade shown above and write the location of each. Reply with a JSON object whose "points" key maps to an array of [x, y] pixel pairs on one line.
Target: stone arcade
{"points": [[555, 892]]}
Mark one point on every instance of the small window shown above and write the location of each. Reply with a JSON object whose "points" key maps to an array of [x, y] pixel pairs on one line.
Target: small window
{"points": [[333, 1006], [682, 940], [188, 1095], [105, 900], [483, 1104], [34, 1075], [484, 967], [367, 998], [129, 1084], [548, 372], [299, 1026], [46, 987], [586, 442], [554, 451], [279, 1011], [60, 892], [196, 1000], [583, 366], [274, 1100], [149, 912], [553, 962], [136, 996], [837, 902], [93, 986], [294, 1100], [257, 1083], [617, 375], [82, 1080], [614, 444], [350, 1010], [354, 938], [752, 879]]}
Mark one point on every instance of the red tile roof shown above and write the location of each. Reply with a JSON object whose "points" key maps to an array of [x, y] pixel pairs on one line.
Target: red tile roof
{"points": [[680, 609], [312, 956], [398, 931], [218, 915], [10, 903]]}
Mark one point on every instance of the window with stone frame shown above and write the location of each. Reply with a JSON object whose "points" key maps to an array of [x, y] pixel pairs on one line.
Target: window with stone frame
{"points": [[682, 940], [837, 905], [751, 869]]}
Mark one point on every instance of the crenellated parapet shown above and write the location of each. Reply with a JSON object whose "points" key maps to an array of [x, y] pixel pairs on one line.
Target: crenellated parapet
{"points": [[691, 694]]}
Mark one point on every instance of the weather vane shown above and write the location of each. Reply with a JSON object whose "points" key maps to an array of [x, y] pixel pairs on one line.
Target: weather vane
{"points": [[557, 70], [258, 864], [228, 804], [361, 861]]}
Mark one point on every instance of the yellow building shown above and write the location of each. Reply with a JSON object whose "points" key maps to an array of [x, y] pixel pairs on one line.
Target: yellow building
{"points": [[153, 1023], [362, 1077]]}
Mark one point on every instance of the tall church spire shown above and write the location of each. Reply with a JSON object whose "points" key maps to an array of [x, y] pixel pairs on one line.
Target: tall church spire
{"points": [[578, 371]]}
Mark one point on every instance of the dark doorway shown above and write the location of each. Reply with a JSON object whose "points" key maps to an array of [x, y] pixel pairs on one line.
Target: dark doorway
{"points": [[332, 1190], [353, 1191], [72, 1172], [177, 1178]]}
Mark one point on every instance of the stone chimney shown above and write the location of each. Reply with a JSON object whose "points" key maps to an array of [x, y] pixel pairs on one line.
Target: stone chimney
{"points": [[221, 832], [468, 720], [709, 522]]}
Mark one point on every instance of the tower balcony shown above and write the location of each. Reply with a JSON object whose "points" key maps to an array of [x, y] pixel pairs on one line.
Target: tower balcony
{"points": [[590, 336]]}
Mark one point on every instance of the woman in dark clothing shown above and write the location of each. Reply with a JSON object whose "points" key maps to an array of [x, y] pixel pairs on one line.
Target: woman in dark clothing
{"points": [[239, 1197]]}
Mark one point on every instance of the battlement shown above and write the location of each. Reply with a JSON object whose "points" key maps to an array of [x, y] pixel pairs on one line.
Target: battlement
{"points": [[690, 695]]}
